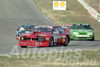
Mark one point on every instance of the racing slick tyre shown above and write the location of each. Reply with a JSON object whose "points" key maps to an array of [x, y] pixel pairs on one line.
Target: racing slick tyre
{"points": [[51, 43], [67, 41], [92, 39], [23, 46]]}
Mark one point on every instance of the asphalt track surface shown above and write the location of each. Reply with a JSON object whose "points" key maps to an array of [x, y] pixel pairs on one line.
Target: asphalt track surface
{"points": [[18, 12]]}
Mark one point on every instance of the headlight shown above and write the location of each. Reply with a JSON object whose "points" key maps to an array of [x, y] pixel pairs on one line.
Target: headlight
{"points": [[90, 33], [22, 38], [75, 33]]}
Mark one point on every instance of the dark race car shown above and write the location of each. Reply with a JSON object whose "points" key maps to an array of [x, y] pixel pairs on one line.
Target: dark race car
{"points": [[22, 29], [45, 36]]}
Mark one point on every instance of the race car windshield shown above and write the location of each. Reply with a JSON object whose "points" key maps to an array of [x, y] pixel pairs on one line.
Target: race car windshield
{"points": [[43, 29], [81, 26], [26, 28]]}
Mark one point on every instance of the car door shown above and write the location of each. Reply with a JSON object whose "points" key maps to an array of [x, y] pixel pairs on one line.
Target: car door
{"points": [[56, 35], [63, 35]]}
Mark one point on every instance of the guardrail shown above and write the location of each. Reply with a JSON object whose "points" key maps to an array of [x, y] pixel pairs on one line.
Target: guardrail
{"points": [[91, 10]]}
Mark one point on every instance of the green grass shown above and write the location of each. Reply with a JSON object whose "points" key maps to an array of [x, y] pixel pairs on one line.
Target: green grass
{"points": [[74, 14], [86, 58], [94, 3]]}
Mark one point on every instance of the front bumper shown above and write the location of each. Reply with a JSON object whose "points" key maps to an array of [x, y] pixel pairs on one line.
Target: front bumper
{"points": [[34, 43], [87, 37]]}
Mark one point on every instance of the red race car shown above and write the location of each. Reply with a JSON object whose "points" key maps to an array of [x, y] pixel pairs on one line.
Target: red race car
{"points": [[45, 36], [67, 27]]}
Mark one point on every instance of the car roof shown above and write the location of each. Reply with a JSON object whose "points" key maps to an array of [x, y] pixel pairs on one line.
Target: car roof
{"points": [[47, 26], [81, 23], [27, 25], [66, 24]]}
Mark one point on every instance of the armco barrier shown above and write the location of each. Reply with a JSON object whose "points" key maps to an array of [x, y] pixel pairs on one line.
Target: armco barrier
{"points": [[91, 10]]}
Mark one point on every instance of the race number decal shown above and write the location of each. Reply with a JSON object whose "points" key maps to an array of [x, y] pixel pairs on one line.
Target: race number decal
{"points": [[55, 38]]}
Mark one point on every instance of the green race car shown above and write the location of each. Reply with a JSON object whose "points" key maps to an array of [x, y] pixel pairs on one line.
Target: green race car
{"points": [[82, 31]]}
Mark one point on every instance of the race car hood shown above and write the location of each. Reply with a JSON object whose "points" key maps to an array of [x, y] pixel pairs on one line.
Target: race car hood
{"points": [[37, 33], [26, 31], [41, 34], [19, 32], [81, 30]]}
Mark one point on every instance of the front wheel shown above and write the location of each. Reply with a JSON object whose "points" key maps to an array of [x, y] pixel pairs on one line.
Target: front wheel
{"points": [[92, 39], [51, 42], [67, 41]]}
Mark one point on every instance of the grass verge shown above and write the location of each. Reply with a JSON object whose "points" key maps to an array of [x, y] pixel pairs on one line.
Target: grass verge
{"points": [[86, 58], [75, 13]]}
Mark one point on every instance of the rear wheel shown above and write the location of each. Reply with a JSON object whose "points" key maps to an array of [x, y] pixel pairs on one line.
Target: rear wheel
{"points": [[51, 42], [67, 41], [23, 46]]}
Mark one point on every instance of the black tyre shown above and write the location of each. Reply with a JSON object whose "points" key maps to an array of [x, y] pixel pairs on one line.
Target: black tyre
{"points": [[92, 39], [23, 46], [67, 41], [51, 44]]}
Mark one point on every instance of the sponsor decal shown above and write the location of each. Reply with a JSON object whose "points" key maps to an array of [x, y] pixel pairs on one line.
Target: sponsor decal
{"points": [[63, 40], [28, 35], [42, 35], [59, 5]]}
